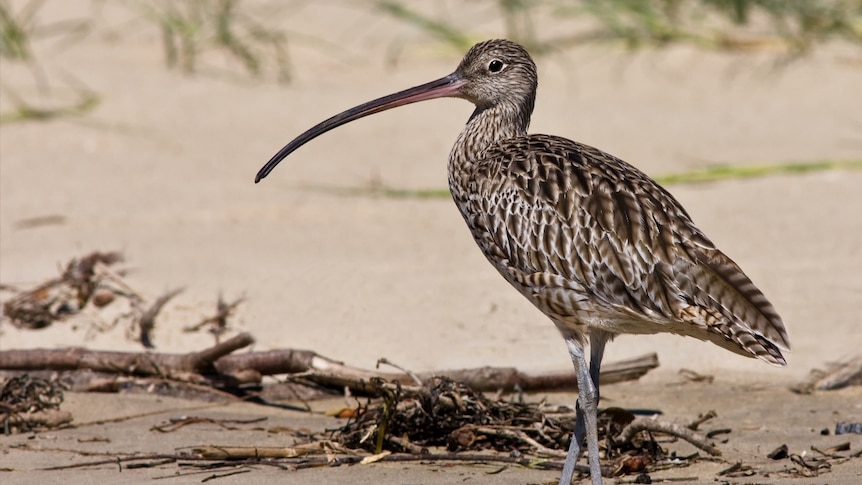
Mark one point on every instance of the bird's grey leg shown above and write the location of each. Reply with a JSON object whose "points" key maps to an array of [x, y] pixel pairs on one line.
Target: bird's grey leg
{"points": [[586, 413], [598, 339]]}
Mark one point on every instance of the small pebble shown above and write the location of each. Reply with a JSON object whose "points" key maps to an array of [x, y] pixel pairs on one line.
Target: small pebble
{"points": [[779, 453]]}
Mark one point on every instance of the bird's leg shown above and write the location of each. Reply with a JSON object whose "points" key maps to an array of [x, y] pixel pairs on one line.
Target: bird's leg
{"points": [[598, 339], [586, 420]]}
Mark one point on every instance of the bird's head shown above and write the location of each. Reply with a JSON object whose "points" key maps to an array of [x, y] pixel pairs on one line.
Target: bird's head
{"points": [[492, 73], [498, 72]]}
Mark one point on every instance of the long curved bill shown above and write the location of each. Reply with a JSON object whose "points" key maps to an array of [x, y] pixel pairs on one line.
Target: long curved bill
{"points": [[448, 86]]}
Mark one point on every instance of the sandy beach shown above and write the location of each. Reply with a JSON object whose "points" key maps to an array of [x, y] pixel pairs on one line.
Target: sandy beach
{"points": [[163, 170]]}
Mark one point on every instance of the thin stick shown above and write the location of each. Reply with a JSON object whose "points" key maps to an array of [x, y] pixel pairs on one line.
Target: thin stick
{"points": [[518, 435], [385, 361], [701, 419]]}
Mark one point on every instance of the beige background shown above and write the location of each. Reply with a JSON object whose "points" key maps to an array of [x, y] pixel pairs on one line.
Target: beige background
{"points": [[163, 168]]}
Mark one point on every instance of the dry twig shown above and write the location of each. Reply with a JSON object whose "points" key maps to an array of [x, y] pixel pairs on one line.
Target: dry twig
{"points": [[647, 424]]}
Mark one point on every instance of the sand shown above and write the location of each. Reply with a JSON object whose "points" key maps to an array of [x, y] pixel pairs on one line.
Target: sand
{"points": [[162, 170]]}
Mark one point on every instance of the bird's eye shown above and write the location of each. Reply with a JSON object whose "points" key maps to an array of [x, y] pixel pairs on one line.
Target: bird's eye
{"points": [[496, 66]]}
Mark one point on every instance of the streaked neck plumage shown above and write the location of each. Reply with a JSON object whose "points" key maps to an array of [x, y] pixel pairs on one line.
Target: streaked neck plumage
{"points": [[486, 127]]}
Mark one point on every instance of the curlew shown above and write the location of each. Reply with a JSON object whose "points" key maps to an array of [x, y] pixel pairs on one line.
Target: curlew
{"points": [[590, 240]]}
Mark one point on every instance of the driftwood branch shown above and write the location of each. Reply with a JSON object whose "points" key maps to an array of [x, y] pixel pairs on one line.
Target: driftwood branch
{"points": [[305, 364], [325, 371], [177, 366]]}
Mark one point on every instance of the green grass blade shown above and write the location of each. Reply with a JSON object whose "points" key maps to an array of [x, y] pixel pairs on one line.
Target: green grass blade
{"points": [[730, 172], [435, 27], [710, 174]]}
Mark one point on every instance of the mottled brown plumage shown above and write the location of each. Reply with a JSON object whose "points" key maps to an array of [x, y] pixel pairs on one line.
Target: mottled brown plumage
{"points": [[590, 240], [593, 242]]}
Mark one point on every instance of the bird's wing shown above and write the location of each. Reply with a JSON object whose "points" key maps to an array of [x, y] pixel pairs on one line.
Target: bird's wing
{"points": [[588, 234]]}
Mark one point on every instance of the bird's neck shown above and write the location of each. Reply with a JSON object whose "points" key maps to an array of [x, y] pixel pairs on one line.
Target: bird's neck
{"points": [[485, 128]]}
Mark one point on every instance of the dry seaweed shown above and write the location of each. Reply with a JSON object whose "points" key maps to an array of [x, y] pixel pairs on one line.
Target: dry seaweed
{"points": [[29, 403], [86, 283], [217, 324], [146, 322], [446, 413], [86, 287], [61, 297]]}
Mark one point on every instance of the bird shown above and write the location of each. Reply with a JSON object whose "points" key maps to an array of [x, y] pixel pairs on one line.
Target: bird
{"points": [[593, 242]]}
